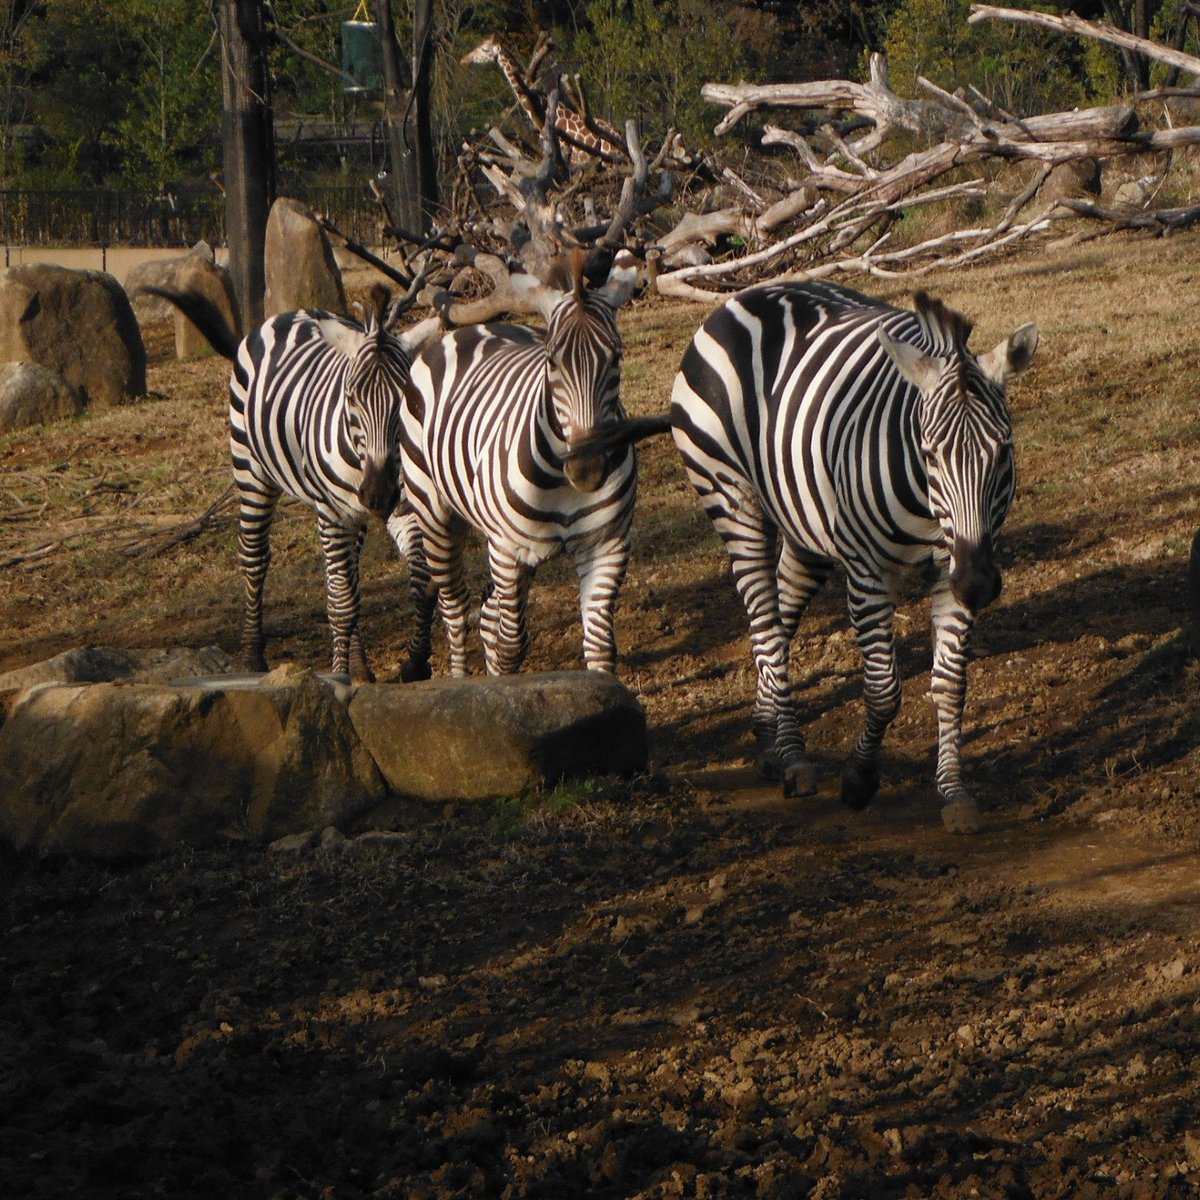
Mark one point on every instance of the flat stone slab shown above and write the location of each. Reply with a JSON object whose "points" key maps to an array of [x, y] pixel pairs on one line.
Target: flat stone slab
{"points": [[124, 770], [129, 770], [482, 738]]}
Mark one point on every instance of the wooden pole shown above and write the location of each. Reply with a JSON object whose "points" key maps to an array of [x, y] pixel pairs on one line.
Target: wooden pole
{"points": [[249, 147], [422, 107]]}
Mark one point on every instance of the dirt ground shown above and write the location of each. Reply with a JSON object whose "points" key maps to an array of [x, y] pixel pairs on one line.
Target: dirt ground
{"points": [[683, 985]]}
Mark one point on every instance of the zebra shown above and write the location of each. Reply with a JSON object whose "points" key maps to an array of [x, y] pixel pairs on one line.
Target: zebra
{"points": [[496, 437], [314, 403], [819, 427]]}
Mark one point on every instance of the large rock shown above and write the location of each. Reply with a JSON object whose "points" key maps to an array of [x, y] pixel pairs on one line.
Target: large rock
{"points": [[301, 271], [1078, 179], [106, 664], [197, 271], [122, 754], [211, 281], [78, 323], [476, 739], [120, 771], [34, 395]]}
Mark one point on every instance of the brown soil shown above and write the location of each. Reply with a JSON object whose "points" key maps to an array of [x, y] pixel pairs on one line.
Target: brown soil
{"points": [[684, 986]]}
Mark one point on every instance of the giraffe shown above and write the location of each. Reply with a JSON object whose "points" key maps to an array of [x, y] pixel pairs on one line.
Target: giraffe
{"points": [[582, 138]]}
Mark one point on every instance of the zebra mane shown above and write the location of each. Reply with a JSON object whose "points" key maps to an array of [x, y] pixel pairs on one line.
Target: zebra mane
{"points": [[374, 309], [947, 329], [578, 262]]}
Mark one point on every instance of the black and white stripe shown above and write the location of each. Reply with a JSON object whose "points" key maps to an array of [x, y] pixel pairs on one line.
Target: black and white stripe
{"points": [[496, 438], [314, 413], [821, 427]]}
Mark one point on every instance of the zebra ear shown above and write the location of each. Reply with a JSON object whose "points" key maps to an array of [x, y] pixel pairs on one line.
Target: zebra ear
{"points": [[417, 337], [622, 279], [920, 369], [1011, 356], [338, 335], [540, 297]]}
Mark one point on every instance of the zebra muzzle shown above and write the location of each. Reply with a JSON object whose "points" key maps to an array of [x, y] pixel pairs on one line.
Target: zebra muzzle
{"points": [[379, 491], [975, 579], [586, 473]]}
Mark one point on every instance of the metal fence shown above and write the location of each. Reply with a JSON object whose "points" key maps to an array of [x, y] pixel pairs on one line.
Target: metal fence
{"points": [[86, 218]]}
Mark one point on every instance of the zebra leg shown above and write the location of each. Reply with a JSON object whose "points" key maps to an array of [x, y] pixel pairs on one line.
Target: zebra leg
{"points": [[799, 575], [872, 611], [601, 571], [503, 627], [445, 540], [750, 542], [256, 509], [952, 624], [342, 547], [405, 531]]}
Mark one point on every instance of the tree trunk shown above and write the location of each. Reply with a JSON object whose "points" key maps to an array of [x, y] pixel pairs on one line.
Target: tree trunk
{"points": [[249, 148], [406, 115]]}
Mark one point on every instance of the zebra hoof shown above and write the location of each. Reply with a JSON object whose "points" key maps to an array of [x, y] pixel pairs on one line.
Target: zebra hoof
{"points": [[859, 785], [799, 779], [413, 671], [769, 766], [962, 816]]}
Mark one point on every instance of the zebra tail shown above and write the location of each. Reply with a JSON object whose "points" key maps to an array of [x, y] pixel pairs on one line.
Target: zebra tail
{"points": [[205, 315], [619, 435]]}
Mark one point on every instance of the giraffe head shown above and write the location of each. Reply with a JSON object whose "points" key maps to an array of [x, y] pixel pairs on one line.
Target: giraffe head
{"points": [[488, 51]]}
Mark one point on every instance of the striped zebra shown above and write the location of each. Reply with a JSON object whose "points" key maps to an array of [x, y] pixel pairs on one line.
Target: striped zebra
{"points": [[314, 413], [495, 438], [819, 427]]}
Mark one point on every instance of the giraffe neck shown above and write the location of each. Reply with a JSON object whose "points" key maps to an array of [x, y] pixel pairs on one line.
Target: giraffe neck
{"points": [[516, 81]]}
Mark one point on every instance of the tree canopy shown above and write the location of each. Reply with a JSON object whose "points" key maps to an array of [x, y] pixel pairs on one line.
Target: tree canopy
{"points": [[99, 94]]}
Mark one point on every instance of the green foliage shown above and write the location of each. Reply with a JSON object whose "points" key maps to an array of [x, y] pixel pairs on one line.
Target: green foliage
{"points": [[1022, 69], [1163, 29], [119, 94], [648, 60], [172, 96]]}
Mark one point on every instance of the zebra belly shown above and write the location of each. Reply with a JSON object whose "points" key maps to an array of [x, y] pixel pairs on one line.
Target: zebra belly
{"points": [[330, 486], [535, 525]]}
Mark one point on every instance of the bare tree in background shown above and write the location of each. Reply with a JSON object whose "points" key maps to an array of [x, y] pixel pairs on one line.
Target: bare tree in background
{"points": [[407, 87], [249, 149]]}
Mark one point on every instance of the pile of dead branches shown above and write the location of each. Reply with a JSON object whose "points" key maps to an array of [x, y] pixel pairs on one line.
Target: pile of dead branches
{"points": [[705, 228]]}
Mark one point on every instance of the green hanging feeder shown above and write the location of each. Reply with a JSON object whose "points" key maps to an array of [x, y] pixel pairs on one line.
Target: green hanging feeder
{"points": [[362, 56]]}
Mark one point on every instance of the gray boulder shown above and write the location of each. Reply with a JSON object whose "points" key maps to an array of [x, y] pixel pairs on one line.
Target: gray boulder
{"points": [[79, 324], [477, 738], [1078, 179], [106, 664], [204, 278], [119, 771], [34, 395], [197, 271], [301, 271]]}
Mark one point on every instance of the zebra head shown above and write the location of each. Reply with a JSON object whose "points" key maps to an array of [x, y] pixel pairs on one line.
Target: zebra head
{"points": [[966, 438], [583, 361], [374, 393]]}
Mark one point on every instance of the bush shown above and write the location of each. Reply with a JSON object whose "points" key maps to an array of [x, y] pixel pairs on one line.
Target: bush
{"points": [[1024, 70], [649, 60]]}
